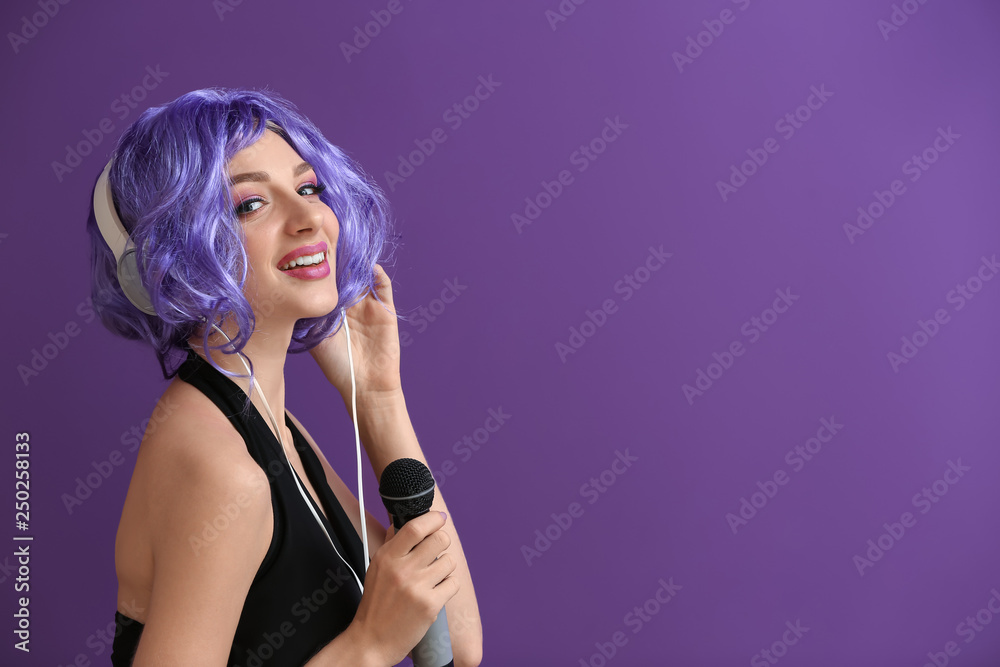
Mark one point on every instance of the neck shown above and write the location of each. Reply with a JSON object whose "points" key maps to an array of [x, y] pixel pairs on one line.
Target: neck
{"points": [[266, 349]]}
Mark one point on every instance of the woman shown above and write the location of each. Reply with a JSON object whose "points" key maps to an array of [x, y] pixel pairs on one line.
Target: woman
{"points": [[238, 543]]}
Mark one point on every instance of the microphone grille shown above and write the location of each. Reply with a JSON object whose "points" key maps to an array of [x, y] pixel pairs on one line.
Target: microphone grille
{"points": [[405, 477]]}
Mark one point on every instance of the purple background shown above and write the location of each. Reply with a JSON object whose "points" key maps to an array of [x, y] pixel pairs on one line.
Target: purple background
{"points": [[495, 346]]}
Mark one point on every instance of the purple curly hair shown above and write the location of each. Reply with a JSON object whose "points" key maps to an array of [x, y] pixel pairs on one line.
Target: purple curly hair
{"points": [[171, 190]]}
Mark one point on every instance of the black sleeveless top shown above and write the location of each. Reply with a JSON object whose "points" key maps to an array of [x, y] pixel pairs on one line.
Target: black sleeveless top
{"points": [[303, 594]]}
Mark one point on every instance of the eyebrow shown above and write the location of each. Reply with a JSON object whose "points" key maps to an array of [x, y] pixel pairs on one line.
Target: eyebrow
{"points": [[262, 176]]}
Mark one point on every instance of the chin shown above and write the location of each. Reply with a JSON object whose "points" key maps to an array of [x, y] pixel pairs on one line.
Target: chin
{"points": [[321, 309]]}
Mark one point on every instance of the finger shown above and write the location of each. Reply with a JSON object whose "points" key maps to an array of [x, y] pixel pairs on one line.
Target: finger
{"points": [[382, 283], [430, 548], [414, 532], [441, 569], [448, 587]]}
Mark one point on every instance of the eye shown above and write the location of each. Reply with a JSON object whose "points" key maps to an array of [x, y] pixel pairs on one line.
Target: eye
{"points": [[248, 206], [311, 189]]}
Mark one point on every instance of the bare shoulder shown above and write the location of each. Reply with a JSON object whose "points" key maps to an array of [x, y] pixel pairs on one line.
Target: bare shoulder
{"points": [[197, 440], [192, 456], [196, 522]]}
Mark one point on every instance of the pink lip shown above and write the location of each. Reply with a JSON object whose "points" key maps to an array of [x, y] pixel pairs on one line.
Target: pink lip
{"points": [[304, 250], [312, 272]]}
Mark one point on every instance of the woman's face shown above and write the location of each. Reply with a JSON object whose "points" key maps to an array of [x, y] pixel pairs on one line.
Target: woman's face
{"points": [[276, 198]]}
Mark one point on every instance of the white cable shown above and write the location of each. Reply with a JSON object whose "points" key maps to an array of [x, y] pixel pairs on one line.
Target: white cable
{"points": [[295, 476], [357, 442]]}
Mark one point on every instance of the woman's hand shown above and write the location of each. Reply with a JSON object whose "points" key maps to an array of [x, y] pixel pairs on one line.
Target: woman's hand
{"points": [[374, 344], [406, 586]]}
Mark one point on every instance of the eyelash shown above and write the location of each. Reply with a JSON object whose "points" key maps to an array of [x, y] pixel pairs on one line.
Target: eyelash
{"points": [[240, 212]]}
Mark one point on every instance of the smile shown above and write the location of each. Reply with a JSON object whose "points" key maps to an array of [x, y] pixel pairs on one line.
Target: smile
{"points": [[304, 260], [308, 267], [307, 263]]}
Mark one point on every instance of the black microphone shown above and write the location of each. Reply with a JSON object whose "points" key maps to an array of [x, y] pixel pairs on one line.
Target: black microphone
{"points": [[407, 490]]}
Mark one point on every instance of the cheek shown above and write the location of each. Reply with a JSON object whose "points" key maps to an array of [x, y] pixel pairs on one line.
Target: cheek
{"points": [[258, 255]]}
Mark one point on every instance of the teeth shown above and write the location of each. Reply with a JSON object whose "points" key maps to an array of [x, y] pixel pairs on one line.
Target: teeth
{"points": [[305, 260]]}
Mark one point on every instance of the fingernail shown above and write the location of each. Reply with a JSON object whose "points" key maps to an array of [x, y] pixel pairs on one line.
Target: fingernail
{"points": [[443, 515]]}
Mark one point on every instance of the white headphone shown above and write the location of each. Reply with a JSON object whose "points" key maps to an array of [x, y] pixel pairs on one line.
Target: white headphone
{"points": [[124, 250]]}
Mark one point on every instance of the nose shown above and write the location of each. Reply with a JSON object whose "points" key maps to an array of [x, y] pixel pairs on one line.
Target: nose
{"points": [[302, 215]]}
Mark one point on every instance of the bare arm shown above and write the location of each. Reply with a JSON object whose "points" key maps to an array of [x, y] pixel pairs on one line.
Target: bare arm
{"points": [[388, 434]]}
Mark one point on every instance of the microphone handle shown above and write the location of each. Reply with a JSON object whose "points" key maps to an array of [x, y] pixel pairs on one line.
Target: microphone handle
{"points": [[434, 650]]}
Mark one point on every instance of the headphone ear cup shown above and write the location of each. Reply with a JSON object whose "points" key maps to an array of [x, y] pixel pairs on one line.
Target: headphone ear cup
{"points": [[120, 243], [131, 283]]}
